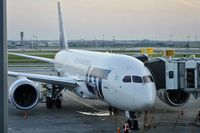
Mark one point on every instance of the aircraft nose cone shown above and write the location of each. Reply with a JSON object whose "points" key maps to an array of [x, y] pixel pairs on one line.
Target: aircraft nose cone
{"points": [[145, 97], [150, 96]]}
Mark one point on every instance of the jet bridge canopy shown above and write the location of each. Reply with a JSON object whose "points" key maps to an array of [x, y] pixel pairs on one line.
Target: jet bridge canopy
{"points": [[157, 69], [142, 57]]}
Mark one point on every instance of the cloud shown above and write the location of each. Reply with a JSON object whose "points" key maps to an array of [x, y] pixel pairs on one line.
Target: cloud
{"points": [[189, 3]]}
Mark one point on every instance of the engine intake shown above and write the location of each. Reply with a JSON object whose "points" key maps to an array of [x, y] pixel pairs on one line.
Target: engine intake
{"points": [[174, 98], [24, 94]]}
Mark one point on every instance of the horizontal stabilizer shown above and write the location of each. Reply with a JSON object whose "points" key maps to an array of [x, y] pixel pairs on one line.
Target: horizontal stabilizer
{"points": [[35, 58]]}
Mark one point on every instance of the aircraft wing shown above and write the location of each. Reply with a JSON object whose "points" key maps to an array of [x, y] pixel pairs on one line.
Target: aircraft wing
{"points": [[35, 57], [69, 83]]}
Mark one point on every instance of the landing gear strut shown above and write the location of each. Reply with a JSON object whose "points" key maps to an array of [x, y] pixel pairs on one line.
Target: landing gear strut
{"points": [[49, 103], [132, 120], [54, 96], [113, 110]]}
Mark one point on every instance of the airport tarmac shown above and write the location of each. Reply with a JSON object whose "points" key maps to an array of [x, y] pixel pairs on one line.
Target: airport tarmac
{"points": [[91, 116]]}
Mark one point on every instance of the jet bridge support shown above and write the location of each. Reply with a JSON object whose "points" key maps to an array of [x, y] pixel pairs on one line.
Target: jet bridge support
{"points": [[3, 69]]}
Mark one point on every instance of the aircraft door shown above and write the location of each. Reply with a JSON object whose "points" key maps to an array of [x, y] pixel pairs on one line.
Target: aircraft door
{"points": [[198, 75], [190, 78], [181, 75]]}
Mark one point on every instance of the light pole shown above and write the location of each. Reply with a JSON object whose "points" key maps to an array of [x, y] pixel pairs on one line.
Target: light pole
{"points": [[103, 40], [171, 38], [3, 69], [113, 42], [196, 38], [188, 37]]}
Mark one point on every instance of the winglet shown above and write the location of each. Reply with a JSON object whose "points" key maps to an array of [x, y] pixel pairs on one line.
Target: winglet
{"points": [[63, 38]]}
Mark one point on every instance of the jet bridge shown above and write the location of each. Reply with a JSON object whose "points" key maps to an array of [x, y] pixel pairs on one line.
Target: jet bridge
{"points": [[175, 73], [175, 78]]}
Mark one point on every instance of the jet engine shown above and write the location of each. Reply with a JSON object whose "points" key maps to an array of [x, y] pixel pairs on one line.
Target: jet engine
{"points": [[174, 98], [24, 94]]}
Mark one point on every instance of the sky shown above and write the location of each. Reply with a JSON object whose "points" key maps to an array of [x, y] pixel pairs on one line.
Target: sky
{"points": [[93, 19]]}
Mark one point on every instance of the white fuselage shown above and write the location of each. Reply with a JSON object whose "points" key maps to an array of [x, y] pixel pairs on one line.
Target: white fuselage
{"points": [[102, 77]]}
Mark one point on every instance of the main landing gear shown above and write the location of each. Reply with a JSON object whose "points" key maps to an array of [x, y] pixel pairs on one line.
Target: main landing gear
{"points": [[54, 96], [113, 110]]}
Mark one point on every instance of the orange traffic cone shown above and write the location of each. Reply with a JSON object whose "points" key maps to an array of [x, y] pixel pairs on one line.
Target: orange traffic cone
{"points": [[118, 130], [25, 115]]}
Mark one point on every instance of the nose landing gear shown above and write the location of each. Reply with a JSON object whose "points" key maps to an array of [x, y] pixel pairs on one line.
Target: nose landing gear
{"points": [[132, 120]]}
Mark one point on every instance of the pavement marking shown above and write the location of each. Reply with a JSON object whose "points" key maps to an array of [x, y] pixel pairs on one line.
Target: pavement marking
{"points": [[95, 114], [162, 116], [79, 101], [176, 122]]}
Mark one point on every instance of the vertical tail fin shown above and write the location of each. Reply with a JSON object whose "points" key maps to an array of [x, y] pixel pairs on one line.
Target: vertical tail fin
{"points": [[63, 38]]}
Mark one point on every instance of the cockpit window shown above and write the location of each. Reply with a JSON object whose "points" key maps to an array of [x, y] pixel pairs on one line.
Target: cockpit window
{"points": [[127, 79], [137, 79], [147, 79]]}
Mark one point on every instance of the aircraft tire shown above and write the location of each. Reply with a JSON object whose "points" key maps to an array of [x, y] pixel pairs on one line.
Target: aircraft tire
{"points": [[58, 103], [49, 103]]}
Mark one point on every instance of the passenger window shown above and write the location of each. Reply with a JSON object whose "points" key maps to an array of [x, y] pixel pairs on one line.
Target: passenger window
{"points": [[127, 79], [137, 79], [171, 74]]}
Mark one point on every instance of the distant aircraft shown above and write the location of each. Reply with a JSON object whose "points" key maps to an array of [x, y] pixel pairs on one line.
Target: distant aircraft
{"points": [[122, 81]]}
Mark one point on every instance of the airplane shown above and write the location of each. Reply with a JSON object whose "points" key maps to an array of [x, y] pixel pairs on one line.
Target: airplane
{"points": [[122, 81]]}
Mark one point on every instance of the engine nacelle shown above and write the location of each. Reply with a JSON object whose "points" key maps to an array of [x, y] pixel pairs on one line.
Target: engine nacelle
{"points": [[24, 94], [174, 98]]}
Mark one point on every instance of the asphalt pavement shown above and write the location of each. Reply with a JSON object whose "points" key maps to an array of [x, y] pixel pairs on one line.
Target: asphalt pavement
{"points": [[91, 116]]}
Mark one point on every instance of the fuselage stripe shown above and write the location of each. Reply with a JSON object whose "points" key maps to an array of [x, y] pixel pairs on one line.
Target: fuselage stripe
{"points": [[94, 77], [100, 88]]}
